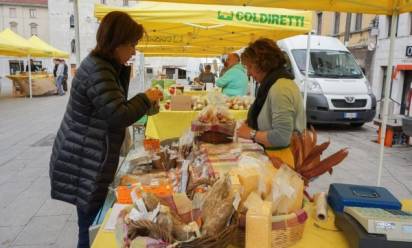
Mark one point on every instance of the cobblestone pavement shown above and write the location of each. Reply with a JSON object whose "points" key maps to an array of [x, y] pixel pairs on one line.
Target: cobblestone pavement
{"points": [[30, 219]]}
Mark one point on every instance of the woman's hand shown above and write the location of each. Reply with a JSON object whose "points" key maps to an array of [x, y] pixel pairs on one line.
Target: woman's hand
{"points": [[244, 131], [154, 95]]}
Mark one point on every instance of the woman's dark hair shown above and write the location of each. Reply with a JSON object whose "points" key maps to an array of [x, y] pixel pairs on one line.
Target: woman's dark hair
{"points": [[116, 28], [208, 67], [265, 54]]}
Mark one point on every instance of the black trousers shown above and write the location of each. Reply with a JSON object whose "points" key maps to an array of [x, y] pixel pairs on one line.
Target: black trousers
{"points": [[65, 84], [84, 221]]}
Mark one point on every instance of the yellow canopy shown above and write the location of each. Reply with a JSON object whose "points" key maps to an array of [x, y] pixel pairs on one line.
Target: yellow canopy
{"points": [[379, 7], [8, 47], [23, 46], [37, 42], [209, 30]]}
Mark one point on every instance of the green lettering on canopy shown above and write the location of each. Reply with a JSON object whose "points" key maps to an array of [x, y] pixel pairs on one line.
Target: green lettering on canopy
{"points": [[263, 18], [254, 18], [239, 16], [282, 20], [248, 16]]}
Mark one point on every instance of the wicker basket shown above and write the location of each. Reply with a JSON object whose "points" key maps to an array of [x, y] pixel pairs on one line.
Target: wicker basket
{"points": [[286, 229], [221, 240]]}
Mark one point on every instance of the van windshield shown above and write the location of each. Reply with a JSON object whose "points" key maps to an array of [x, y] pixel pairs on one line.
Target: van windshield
{"points": [[328, 64]]}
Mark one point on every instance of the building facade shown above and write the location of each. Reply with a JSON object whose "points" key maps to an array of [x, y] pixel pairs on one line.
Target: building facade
{"points": [[402, 63], [25, 17]]}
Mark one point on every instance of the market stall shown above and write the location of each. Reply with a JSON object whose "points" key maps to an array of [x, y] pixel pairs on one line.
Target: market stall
{"points": [[14, 45], [390, 8], [42, 83]]}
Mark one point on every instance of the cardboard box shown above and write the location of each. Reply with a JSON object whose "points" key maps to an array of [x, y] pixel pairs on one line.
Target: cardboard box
{"points": [[181, 103]]}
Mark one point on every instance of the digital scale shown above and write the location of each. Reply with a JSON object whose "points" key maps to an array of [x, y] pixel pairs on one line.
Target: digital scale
{"points": [[395, 224]]}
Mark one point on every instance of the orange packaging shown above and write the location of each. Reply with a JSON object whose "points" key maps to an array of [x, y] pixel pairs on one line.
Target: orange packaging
{"points": [[151, 145], [123, 194]]}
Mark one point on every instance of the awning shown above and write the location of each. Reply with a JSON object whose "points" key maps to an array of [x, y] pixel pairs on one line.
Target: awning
{"points": [[379, 7], [398, 68], [37, 42], [209, 30]]}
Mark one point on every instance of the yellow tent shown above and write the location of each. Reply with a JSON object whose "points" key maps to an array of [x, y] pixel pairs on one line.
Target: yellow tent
{"points": [[8, 48], [37, 42], [27, 48], [209, 30], [379, 7]]}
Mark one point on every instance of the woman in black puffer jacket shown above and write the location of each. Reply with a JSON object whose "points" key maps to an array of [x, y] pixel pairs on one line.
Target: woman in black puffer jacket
{"points": [[86, 150]]}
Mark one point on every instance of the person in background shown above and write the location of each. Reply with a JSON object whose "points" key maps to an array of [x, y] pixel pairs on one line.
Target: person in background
{"points": [[60, 78], [224, 69], [86, 150], [33, 67], [278, 108], [66, 74], [235, 81], [56, 63], [207, 76]]}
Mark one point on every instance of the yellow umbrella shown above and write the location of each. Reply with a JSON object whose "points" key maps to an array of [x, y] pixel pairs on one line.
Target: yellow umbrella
{"points": [[37, 42], [213, 30], [379, 7]]}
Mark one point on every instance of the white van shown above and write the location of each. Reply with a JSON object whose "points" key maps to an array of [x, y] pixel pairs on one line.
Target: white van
{"points": [[338, 91]]}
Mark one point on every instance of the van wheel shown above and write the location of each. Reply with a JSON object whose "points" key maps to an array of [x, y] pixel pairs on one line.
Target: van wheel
{"points": [[357, 124]]}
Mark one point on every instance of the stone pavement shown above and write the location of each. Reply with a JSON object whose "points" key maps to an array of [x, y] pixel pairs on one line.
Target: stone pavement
{"points": [[30, 219]]}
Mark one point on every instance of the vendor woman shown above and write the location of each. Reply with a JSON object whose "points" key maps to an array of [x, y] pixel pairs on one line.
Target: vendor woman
{"points": [[278, 109], [86, 150]]}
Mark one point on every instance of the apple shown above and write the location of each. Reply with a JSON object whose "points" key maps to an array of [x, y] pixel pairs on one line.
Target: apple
{"points": [[172, 90]]}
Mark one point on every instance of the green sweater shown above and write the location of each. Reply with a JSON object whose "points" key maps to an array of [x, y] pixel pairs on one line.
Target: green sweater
{"points": [[234, 82], [282, 113]]}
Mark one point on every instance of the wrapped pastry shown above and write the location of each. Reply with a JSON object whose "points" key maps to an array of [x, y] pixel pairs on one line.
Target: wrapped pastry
{"points": [[217, 207]]}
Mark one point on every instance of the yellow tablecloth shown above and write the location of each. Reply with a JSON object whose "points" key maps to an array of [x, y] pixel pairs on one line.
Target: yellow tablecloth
{"points": [[172, 124], [317, 234]]}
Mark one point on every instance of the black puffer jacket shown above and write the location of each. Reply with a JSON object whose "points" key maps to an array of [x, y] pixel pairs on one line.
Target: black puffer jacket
{"points": [[86, 150]]}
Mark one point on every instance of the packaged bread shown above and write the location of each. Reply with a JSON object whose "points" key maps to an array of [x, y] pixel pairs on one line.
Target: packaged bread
{"points": [[217, 207]]}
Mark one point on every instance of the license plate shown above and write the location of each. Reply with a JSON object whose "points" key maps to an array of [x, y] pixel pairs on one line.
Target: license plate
{"points": [[350, 115]]}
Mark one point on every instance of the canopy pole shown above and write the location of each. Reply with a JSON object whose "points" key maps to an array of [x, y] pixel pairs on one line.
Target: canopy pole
{"points": [[387, 89], [305, 82], [77, 31], [30, 82]]}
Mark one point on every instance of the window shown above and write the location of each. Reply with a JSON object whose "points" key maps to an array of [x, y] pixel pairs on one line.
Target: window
{"points": [[33, 29], [125, 2], [336, 24], [72, 21], [73, 46], [13, 26], [389, 21], [12, 13], [319, 24], [358, 22], [32, 13]]}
